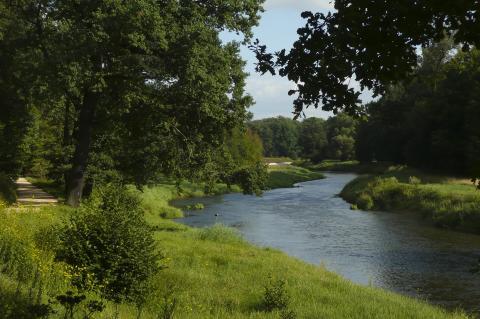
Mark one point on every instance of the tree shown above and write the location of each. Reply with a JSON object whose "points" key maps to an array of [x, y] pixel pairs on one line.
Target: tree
{"points": [[313, 139], [374, 42], [279, 136], [146, 85], [341, 133]]}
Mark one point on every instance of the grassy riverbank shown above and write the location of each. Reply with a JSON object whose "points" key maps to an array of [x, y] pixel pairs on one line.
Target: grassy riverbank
{"points": [[346, 166], [287, 176], [210, 273], [446, 201]]}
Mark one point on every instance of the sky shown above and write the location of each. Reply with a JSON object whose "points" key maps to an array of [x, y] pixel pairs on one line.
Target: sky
{"points": [[278, 30]]}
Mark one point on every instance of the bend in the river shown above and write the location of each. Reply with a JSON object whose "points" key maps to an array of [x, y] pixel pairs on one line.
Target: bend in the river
{"points": [[390, 250]]}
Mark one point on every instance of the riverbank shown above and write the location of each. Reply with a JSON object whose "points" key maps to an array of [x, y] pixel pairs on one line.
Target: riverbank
{"points": [[446, 201], [288, 176], [345, 166], [156, 199], [209, 273]]}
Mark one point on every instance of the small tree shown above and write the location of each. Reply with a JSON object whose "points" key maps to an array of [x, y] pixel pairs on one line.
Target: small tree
{"points": [[110, 245]]}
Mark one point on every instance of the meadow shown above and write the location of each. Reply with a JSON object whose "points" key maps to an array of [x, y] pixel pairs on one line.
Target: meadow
{"points": [[208, 273]]}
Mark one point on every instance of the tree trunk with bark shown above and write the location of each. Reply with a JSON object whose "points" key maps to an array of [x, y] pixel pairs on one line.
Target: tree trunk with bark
{"points": [[76, 177]]}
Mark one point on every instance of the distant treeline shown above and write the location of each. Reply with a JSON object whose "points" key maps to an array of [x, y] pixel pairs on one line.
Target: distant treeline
{"points": [[313, 138]]}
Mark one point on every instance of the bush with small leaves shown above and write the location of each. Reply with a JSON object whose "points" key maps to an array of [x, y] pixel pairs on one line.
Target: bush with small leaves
{"points": [[110, 246], [365, 201], [275, 296]]}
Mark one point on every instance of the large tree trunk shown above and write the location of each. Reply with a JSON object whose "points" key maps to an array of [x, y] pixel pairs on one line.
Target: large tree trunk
{"points": [[76, 177]]}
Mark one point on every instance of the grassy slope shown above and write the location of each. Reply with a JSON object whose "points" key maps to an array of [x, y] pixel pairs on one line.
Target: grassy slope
{"points": [[287, 176], [155, 199], [277, 159], [215, 274], [346, 166], [447, 201]]}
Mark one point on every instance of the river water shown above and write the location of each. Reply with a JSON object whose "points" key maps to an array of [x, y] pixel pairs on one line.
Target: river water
{"points": [[395, 251]]}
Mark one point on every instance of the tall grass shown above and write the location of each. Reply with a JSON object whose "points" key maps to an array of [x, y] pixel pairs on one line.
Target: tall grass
{"points": [[444, 200], [156, 199]]}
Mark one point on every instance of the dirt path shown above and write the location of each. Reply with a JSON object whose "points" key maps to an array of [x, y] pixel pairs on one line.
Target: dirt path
{"points": [[30, 195]]}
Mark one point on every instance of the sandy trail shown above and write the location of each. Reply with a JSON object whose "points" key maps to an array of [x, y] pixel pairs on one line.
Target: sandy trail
{"points": [[30, 195]]}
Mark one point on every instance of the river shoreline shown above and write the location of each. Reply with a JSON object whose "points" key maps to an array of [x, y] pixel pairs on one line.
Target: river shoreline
{"points": [[368, 254]]}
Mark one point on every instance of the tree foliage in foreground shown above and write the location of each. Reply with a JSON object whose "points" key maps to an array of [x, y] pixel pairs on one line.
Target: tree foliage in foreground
{"points": [[130, 89], [374, 42]]}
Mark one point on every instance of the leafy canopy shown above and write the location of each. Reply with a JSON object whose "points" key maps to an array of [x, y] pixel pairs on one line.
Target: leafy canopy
{"points": [[374, 42]]}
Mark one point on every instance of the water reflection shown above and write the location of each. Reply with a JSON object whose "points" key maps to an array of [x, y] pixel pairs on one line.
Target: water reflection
{"points": [[394, 251]]}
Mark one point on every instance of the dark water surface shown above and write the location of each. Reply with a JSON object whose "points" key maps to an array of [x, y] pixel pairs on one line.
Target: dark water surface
{"points": [[390, 250]]}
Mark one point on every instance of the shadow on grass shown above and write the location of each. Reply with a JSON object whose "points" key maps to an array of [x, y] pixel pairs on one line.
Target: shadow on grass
{"points": [[14, 305]]}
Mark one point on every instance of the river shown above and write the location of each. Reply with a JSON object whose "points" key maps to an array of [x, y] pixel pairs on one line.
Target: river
{"points": [[395, 251]]}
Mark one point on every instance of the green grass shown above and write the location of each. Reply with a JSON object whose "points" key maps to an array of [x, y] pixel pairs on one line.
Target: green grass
{"points": [[277, 159], [287, 176], [156, 199], [211, 273], [347, 166], [447, 201]]}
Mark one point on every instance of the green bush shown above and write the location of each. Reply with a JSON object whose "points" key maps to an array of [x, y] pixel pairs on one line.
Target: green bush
{"points": [[8, 192], [109, 245], [276, 296], [365, 202]]}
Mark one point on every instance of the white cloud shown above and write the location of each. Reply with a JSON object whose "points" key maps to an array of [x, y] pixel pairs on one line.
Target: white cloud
{"points": [[267, 86], [271, 96], [299, 5]]}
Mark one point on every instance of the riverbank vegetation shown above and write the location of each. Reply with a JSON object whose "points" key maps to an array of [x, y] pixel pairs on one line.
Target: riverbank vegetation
{"points": [[446, 201], [288, 176], [207, 273]]}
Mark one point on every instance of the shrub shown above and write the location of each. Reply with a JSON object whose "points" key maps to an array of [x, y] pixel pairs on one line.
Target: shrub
{"points": [[365, 201], [276, 296], [109, 245]]}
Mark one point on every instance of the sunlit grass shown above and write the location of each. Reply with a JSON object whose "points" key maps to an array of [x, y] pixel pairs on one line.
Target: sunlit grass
{"points": [[287, 176], [213, 273], [277, 159], [447, 201]]}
